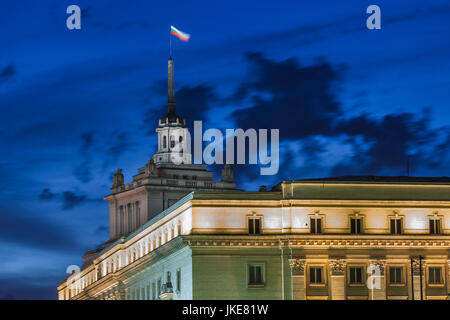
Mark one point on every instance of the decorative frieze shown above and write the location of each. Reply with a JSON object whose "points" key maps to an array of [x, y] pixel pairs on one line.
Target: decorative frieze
{"points": [[416, 266], [379, 263], [337, 266], [298, 265], [335, 243]]}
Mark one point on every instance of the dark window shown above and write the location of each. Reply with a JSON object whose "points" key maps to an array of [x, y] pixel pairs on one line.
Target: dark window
{"points": [[153, 291], [254, 225], [180, 139], [130, 218], [356, 275], [164, 143], [435, 275], [316, 225], [194, 177], [395, 274], [172, 142], [122, 221], [179, 280], [175, 176], [315, 275], [355, 225], [435, 226], [159, 286], [185, 177], [255, 274], [396, 226], [138, 214]]}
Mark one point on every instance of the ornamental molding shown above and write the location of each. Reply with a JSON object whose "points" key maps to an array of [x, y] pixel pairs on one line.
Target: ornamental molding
{"points": [[338, 243], [379, 263], [416, 266], [298, 265], [337, 266]]}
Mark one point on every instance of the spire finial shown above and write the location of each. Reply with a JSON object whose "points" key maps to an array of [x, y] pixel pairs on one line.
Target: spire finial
{"points": [[171, 88]]}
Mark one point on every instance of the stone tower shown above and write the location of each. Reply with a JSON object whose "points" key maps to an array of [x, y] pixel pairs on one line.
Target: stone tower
{"points": [[168, 175]]}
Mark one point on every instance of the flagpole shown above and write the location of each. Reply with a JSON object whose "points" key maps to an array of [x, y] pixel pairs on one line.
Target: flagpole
{"points": [[170, 43]]}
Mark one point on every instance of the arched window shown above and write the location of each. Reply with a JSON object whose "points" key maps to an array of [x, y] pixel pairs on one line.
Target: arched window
{"points": [[164, 142], [172, 141], [180, 139]]}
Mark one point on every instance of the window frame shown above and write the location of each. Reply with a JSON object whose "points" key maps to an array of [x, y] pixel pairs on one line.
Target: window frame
{"points": [[363, 274], [322, 220], [443, 276], [178, 284], [403, 275], [356, 217], [402, 225], [324, 275], [255, 217], [260, 264], [435, 218]]}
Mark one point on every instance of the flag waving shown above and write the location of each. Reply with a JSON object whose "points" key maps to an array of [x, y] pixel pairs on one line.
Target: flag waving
{"points": [[180, 34]]}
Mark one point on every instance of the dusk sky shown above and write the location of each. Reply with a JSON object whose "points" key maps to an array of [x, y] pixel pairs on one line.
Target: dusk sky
{"points": [[78, 104]]}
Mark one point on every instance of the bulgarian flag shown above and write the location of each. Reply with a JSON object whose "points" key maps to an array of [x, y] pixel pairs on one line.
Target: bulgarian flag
{"points": [[180, 34]]}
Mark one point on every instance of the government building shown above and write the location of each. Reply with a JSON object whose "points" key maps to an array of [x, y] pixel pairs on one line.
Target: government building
{"points": [[175, 233]]}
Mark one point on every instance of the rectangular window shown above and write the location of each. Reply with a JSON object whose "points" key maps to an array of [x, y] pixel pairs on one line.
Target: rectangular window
{"points": [[254, 225], [435, 226], [395, 275], [316, 275], [255, 274], [148, 292], [435, 275], [356, 275], [316, 225], [159, 288], [153, 290], [355, 225], [179, 280], [396, 226]]}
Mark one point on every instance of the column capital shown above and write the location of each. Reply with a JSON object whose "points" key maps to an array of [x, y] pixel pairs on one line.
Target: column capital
{"points": [[337, 265], [379, 262], [416, 266], [297, 265]]}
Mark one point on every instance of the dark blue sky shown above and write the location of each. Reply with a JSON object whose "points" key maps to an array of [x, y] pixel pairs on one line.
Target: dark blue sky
{"points": [[76, 105]]}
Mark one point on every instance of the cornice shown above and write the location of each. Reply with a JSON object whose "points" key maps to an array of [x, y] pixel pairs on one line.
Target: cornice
{"points": [[299, 241]]}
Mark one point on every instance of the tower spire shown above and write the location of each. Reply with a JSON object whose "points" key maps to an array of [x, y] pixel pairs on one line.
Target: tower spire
{"points": [[171, 88]]}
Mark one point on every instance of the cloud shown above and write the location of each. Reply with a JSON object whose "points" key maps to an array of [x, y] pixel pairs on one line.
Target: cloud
{"points": [[300, 100], [68, 199], [19, 226], [7, 73], [302, 103], [83, 171], [46, 194]]}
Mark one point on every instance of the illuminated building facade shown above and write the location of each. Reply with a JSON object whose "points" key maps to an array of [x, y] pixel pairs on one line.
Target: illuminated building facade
{"points": [[173, 236]]}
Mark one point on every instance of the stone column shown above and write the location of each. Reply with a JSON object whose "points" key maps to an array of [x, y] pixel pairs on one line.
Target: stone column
{"points": [[416, 278], [377, 281], [298, 277], [337, 278]]}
